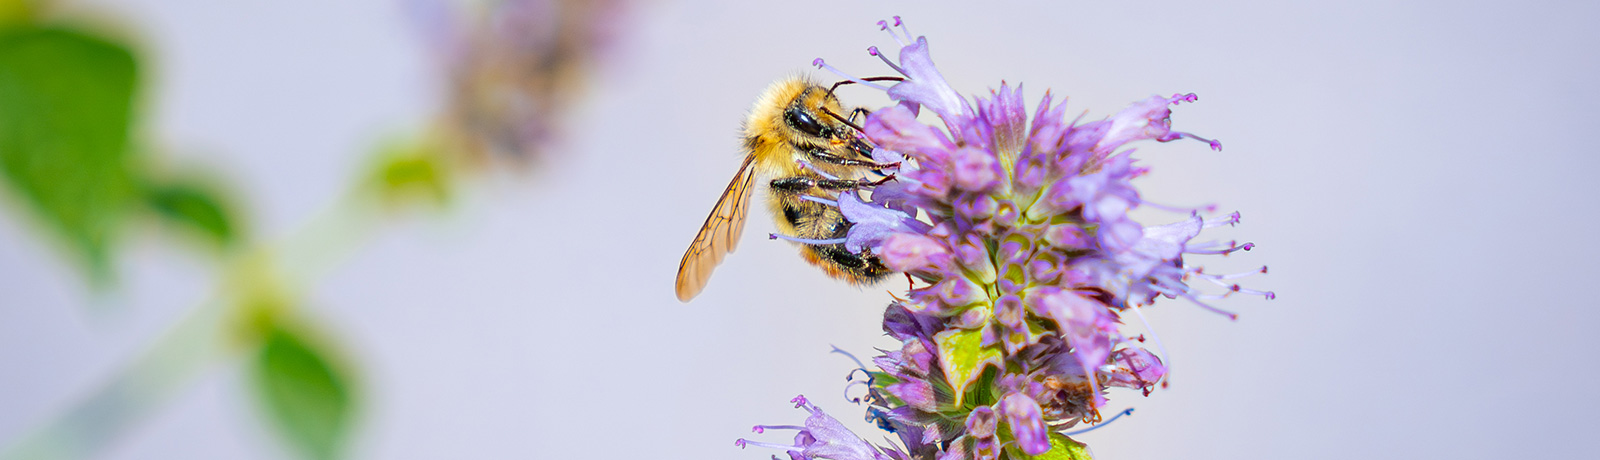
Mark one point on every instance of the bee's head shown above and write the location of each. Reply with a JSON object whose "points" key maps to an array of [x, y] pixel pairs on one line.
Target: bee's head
{"points": [[808, 115]]}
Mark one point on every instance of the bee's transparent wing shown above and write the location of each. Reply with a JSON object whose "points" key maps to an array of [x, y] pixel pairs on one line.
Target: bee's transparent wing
{"points": [[719, 236]]}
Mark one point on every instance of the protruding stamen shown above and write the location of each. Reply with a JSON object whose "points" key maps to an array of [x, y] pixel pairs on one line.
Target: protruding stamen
{"points": [[1229, 220], [824, 65], [1215, 144], [1208, 208], [1247, 291], [1175, 135], [850, 377], [902, 26], [847, 355], [779, 236], [763, 428], [1231, 315], [830, 203], [1233, 287], [1101, 424], [873, 50], [813, 168], [884, 26], [742, 443], [1166, 359], [1207, 248], [867, 383], [1230, 276]]}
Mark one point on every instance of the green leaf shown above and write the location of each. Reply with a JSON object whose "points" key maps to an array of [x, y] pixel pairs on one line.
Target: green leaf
{"points": [[17, 11], [195, 208], [962, 357], [1061, 448], [309, 398], [66, 107], [408, 172], [981, 391]]}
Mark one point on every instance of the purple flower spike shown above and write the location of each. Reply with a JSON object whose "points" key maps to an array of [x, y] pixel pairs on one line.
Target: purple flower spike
{"points": [[1023, 260]]}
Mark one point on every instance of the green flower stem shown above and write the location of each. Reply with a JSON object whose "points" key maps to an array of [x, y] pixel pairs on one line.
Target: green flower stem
{"points": [[327, 241], [219, 331], [186, 351]]}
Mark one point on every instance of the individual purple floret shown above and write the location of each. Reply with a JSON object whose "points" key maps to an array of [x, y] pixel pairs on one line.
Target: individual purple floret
{"points": [[822, 436]]}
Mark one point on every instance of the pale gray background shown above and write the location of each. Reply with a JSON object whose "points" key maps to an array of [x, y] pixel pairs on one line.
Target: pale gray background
{"points": [[1417, 175]]}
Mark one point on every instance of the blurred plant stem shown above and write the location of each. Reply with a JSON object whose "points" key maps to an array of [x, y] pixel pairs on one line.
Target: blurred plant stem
{"points": [[333, 236], [255, 301], [164, 371]]}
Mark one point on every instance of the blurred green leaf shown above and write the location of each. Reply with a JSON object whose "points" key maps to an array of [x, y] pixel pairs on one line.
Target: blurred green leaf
{"points": [[408, 172], [307, 396], [963, 357], [196, 208], [17, 11], [66, 107]]}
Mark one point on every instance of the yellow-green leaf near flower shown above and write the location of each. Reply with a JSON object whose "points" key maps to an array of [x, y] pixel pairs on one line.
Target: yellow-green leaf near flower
{"points": [[406, 173], [963, 358]]}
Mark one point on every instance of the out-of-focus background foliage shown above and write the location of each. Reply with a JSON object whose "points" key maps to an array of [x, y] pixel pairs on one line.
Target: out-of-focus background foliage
{"points": [[441, 229]]}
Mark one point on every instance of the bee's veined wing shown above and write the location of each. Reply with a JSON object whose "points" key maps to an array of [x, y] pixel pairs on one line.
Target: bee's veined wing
{"points": [[720, 234]]}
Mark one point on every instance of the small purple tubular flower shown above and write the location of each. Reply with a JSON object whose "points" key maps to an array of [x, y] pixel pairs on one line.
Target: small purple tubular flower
{"points": [[822, 436], [1019, 238], [873, 223], [924, 85], [1147, 119], [1027, 423]]}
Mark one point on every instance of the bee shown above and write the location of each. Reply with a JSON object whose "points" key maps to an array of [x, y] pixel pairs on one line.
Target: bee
{"points": [[793, 121]]}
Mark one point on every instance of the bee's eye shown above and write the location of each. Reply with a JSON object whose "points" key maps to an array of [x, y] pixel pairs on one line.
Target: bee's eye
{"points": [[805, 123]]}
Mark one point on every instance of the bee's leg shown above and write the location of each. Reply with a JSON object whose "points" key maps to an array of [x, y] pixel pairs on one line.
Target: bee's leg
{"points": [[858, 111], [825, 157], [861, 149], [798, 185]]}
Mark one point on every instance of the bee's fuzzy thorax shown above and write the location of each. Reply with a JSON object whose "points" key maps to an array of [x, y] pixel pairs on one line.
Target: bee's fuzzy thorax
{"points": [[796, 147]]}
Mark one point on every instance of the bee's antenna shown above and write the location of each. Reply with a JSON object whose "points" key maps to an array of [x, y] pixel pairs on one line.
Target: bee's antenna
{"points": [[848, 82], [841, 119]]}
